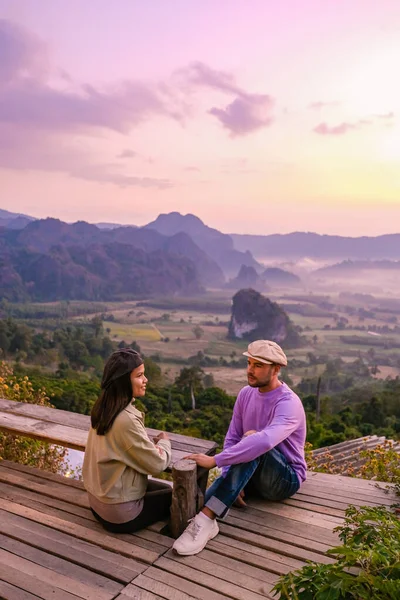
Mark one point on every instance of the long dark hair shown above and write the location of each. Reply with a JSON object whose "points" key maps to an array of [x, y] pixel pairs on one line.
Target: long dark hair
{"points": [[116, 391]]}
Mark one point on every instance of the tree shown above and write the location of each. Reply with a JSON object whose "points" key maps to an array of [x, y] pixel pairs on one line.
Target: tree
{"points": [[19, 448], [198, 332], [97, 324], [208, 380], [190, 380]]}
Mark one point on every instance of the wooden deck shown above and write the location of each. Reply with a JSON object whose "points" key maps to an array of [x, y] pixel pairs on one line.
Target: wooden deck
{"points": [[51, 547]]}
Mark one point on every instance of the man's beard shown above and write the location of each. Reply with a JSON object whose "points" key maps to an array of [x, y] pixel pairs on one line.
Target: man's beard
{"points": [[256, 383]]}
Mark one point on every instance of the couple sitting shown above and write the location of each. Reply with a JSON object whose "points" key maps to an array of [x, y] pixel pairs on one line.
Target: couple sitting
{"points": [[263, 450]]}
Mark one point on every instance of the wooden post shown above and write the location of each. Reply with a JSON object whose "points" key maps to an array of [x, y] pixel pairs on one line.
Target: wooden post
{"points": [[184, 495]]}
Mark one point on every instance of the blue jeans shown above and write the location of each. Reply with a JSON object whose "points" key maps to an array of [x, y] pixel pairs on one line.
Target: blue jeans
{"points": [[269, 476]]}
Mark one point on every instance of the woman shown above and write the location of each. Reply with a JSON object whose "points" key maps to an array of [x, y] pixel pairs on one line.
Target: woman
{"points": [[119, 454]]}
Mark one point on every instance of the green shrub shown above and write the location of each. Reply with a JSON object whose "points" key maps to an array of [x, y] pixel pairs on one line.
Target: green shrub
{"points": [[367, 567]]}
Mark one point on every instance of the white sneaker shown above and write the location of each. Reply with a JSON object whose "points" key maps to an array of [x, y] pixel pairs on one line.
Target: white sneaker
{"points": [[196, 535]]}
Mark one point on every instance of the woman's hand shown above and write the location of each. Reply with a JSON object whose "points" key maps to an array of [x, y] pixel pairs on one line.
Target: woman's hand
{"points": [[161, 436], [202, 460]]}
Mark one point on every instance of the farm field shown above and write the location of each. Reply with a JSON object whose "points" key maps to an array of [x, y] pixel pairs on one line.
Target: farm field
{"points": [[173, 330], [165, 330]]}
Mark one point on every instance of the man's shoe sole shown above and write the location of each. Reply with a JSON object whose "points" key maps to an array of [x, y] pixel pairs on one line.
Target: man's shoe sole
{"points": [[197, 551]]}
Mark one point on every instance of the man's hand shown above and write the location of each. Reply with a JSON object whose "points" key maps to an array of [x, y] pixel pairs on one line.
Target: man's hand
{"points": [[161, 436], [202, 460], [250, 432], [239, 502]]}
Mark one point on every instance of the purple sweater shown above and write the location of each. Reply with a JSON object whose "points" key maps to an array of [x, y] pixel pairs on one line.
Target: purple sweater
{"points": [[280, 421]]}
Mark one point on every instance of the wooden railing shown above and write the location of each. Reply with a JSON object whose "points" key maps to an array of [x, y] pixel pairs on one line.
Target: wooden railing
{"points": [[69, 429]]}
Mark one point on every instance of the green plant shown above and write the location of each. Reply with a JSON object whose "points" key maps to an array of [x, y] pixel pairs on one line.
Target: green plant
{"points": [[381, 463], [367, 567], [22, 449]]}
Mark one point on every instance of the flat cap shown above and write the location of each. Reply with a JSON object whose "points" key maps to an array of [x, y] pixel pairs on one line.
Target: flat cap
{"points": [[267, 352]]}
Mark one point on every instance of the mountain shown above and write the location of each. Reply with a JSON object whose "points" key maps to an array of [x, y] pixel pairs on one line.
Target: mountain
{"points": [[232, 251], [42, 235], [351, 267], [255, 317], [219, 246], [6, 214], [274, 276], [312, 245], [13, 220], [209, 271], [111, 225], [95, 272], [246, 278], [51, 260]]}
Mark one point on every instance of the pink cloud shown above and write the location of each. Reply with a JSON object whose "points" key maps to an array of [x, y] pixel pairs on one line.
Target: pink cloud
{"points": [[388, 116], [38, 105], [42, 109], [39, 120], [320, 105], [245, 114], [49, 152], [324, 129], [343, 128], [22, 54], [127, 154], [28, 97], [107, 174], [200, 74]]}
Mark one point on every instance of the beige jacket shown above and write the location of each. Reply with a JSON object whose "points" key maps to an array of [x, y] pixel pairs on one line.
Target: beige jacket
{"points": [[116, 465]]}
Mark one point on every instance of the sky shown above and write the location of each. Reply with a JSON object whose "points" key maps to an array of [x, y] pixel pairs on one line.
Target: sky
{"points": [[257, 116]]}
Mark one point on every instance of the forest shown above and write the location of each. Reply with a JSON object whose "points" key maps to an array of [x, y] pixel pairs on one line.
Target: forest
{"points": [[67, 361]]}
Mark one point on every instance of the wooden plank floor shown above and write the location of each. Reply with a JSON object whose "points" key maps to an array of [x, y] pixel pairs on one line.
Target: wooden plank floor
{"points": [[52, 547]]}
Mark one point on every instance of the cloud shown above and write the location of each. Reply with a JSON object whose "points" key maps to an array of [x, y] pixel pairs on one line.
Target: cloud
{"points": [[192, 169], [345, 127], [127, 154], [36, 95], [320, 105], [49, 152], [28, 95], [42, 110], [106, 174], [388, 116], [22, 54], [39, 105], [324, 129], [200, 74], [246, 113]]}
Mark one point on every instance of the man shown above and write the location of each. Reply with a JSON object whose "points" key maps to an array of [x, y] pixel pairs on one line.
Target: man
{"points": [[263, 449]]}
